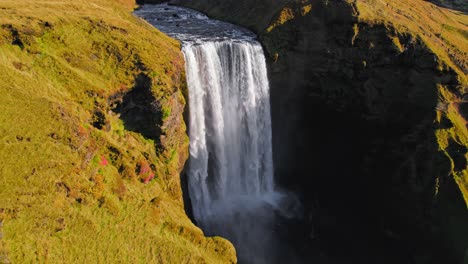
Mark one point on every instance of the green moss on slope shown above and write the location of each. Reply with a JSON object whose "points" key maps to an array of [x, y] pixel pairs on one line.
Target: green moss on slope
{"points": [[79, 184]]}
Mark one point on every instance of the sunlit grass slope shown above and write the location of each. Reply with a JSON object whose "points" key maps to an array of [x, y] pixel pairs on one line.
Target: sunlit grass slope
{"points": [[72, 191], [444, 31]]}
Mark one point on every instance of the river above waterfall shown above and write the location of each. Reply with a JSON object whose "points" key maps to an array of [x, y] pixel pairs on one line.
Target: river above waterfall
{"points": [[190, 26]]}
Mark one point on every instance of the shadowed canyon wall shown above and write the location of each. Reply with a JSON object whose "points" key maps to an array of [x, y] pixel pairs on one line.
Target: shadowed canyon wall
{"points": [[360, 111]]}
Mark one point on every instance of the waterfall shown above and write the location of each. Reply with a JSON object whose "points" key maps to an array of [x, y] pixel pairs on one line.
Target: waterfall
{"points": [[230, 126], [230, 169]]}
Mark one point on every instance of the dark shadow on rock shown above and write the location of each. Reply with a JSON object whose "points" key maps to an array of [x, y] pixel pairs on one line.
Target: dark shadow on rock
{"points": [[354, 135], [183, 174], [458, 5], [151, 2], [457, 152], [99, 120], [463, 109], [185, 195], [140, 111]]}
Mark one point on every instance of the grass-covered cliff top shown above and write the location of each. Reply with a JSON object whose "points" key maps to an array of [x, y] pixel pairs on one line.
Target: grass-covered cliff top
{"points": [[444, 31], [76, 185]]}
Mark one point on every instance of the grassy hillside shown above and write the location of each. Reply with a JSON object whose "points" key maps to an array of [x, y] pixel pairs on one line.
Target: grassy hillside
{"points": [[81, 180]]}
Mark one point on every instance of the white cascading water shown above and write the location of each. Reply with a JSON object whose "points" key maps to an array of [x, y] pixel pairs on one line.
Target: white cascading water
{"points": [[230, 170], [230, 126]]}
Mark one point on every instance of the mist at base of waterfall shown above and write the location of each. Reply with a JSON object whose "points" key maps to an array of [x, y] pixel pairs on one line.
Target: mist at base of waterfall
{"points": [[253, 225]]}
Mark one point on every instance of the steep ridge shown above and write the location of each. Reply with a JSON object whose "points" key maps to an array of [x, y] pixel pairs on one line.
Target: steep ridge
{"points": [[369, 122], [92, 138]]}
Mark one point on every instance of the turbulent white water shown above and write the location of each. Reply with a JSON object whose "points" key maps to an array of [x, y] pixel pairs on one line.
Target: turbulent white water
{"points": [[230, 127], [230, 170]]}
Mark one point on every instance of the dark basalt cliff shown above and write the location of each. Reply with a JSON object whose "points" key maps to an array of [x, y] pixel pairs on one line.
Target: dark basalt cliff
{"points": [[455, 4], [368, 128]]}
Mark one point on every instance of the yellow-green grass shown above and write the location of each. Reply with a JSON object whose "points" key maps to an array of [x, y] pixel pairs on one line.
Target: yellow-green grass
{"points": [[457, 133], [443, 30], [70, 192]]}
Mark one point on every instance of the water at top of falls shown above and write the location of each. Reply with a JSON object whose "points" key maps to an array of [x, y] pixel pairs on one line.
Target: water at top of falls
{"points": [[190, 26], [230, 169]]}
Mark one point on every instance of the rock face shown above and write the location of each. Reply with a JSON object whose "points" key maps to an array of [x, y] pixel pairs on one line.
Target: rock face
{"points": [[151, 2], [364, 129], [454, 4]]}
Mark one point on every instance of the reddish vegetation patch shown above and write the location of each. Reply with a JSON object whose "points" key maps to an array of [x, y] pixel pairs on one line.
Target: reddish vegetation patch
{"points": [[149, 178], [82, 132], [104, 161], [144, 167], [145, 171]]}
